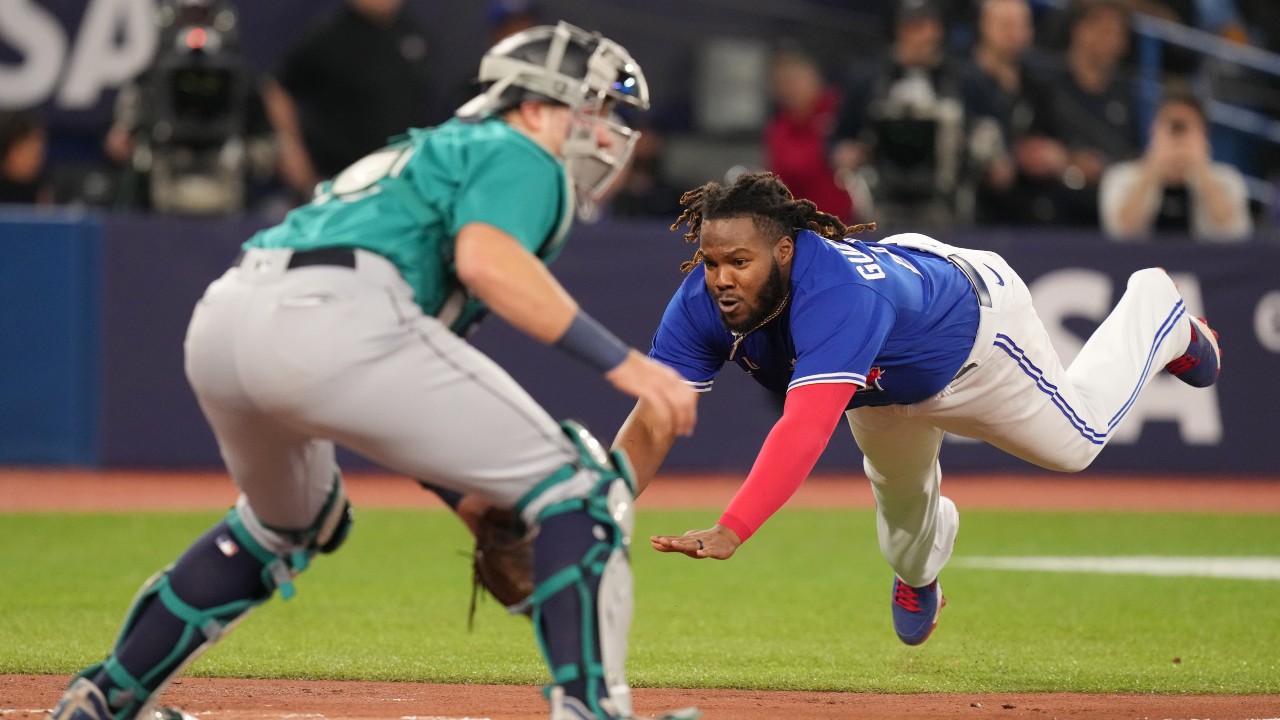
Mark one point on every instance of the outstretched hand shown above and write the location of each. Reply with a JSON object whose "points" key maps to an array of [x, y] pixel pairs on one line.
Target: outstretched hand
{"points": [[719, 542]]}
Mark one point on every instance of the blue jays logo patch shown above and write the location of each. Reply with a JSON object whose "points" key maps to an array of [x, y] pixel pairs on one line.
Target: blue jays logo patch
{"points": [[873, 380]]}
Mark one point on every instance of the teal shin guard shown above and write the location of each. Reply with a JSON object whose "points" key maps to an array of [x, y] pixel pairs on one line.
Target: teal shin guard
{"points": [[188, 606], [582, 602]]}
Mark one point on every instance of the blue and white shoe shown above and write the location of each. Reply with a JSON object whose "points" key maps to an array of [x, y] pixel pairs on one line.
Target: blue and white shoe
{"points": [[915, 610], [1200, 366]]}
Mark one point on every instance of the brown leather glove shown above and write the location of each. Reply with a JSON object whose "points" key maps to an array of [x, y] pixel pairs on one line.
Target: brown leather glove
{"points": [[503, 559]]}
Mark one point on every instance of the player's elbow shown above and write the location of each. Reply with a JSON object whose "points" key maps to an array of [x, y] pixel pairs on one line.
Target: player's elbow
{"points": [[476, 274], [477, 266]]}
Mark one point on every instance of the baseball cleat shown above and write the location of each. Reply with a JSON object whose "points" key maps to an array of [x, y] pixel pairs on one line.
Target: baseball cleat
{"points": [[567, 707], [82, 701], [915, 610], [1200, 366]]}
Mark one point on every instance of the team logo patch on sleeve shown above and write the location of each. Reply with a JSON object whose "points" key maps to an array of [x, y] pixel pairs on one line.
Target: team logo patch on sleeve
{"points": [[873, 380]]}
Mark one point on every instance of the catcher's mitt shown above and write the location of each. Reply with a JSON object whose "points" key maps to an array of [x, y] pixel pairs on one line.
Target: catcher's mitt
{"points": [[503, 560]]}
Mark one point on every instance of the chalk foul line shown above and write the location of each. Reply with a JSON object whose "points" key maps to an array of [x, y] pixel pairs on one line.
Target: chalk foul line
{"points": [[1235, 568]]}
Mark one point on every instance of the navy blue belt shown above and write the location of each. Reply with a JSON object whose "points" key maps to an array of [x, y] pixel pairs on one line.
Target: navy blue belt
{"points": [[975, 279], [339, 256]]}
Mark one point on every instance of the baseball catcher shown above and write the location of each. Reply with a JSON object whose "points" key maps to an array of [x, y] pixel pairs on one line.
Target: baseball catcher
{"points": [[346, 324]]}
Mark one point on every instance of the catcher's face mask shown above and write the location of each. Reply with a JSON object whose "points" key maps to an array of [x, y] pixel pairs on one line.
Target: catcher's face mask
{"points": [[584, 71], [595, 153]]}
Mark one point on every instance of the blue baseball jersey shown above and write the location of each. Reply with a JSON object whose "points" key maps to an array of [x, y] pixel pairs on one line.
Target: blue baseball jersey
{"points": [[896, 322]]}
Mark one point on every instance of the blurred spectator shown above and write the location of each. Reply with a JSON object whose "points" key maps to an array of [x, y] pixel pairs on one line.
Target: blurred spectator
{"points": [[1261, 19], [1003, 82], [190, 131], [1245, 22], [357, 78], [899, 141], [1176, 60], [23, 143], [642, 189], [1092, 100], [1175, 187], [796, 135]]}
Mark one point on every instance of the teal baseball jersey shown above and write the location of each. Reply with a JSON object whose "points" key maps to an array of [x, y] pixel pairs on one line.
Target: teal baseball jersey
{"points": [[408, 201]]}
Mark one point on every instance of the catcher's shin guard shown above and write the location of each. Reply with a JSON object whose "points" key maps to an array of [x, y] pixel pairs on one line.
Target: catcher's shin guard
{"points": [[185, 608], [582, 601]]}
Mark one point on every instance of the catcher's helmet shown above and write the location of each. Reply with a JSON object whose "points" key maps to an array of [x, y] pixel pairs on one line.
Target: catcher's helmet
{"points": [[587, 72]]}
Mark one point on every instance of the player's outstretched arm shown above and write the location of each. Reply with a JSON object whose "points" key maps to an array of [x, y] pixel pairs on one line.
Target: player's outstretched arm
{"points": [[785, 460], [646, 438], [718, 542]]}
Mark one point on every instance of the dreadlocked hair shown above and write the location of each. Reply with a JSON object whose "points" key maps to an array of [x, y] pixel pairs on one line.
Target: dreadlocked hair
{"points": [[766, 200]]}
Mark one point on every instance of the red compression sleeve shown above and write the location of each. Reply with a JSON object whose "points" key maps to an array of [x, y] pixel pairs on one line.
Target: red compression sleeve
{"points": [[788, 454]]}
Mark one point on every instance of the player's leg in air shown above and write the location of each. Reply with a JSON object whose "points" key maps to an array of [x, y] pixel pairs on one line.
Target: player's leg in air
{"points": [[915, 524], [1021, 399], [1014, 393]]}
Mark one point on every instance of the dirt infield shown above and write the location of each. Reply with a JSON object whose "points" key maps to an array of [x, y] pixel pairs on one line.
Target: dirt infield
{"points": [[24, 696], [224, 699]]}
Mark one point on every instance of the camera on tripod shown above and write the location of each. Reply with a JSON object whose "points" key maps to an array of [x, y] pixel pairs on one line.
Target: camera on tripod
{"points": [[916, 137], [190, 136]]}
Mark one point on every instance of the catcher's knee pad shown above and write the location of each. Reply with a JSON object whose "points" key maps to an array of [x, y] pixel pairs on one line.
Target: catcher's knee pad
{"points": [[286, 552], [601, 577], [182, 610]]}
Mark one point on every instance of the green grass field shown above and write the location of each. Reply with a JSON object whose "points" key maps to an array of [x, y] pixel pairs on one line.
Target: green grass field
{"points": [[804, 605]]}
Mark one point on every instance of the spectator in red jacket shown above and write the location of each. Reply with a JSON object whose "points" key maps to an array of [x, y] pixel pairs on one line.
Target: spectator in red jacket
{"points": [[797, 133]]}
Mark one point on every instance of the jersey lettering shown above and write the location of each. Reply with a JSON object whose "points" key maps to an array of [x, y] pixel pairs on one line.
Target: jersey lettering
{"points": [[899, 260], [360, 178], [866, 265]]}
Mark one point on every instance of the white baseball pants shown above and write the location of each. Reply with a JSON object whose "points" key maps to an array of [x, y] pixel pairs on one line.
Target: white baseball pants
{"points": [[286, 362], [1013, 393]]}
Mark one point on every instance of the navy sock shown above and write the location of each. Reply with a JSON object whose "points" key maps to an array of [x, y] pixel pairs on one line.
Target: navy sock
{"points": [[562, 541], [206, 576]]}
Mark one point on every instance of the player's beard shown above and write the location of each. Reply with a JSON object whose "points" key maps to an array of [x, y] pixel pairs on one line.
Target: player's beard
{"points": [[771, 296]]}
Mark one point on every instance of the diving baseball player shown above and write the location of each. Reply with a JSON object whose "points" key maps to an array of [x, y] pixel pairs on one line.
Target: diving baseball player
{"points": [[343, 324], [907, 338]]}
